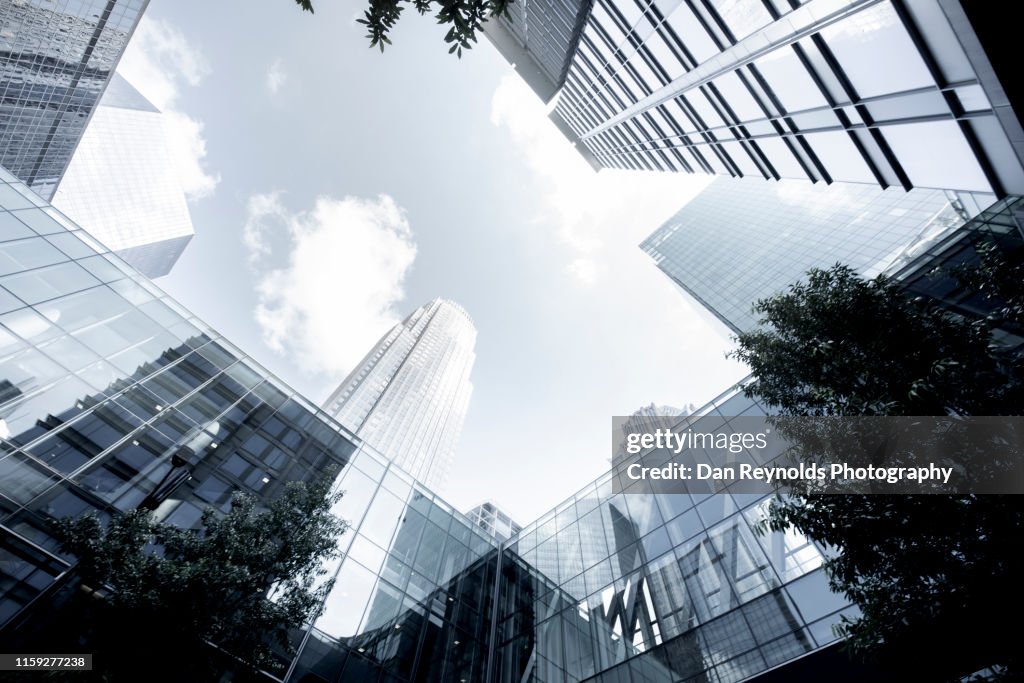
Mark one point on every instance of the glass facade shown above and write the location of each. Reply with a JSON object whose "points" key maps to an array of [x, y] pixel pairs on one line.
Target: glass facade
{"points": [[121, 184], [742, 240], [113, 397], [56, 57], [792, 89], [409, 395], [605, 587]]}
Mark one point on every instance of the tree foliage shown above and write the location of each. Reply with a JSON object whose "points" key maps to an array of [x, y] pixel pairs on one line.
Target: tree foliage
{"points": [[930, 573], [464, 18], [838, 344], [156, 597]]}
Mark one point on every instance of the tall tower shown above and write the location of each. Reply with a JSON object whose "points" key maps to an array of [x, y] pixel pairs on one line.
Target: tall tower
{"points": [[743, 240], [122, 187], [408, 396], [780, 89], [55, 61]]}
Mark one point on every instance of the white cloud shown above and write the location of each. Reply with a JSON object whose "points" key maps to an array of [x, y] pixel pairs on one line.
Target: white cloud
{"points": [[159, 62], [343, 272], [593, 211], [276, 77], [586, 270], [261, 210]]}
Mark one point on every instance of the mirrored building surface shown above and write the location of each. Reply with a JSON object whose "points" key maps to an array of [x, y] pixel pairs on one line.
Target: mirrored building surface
{"points": [[606, 587], [792, 89], [122, 186], [743, 240], [409, 395], [56, 57]]}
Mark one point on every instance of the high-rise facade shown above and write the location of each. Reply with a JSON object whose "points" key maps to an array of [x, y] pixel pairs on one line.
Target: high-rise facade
{"points": [[792, 89], [743, 240], [55, 60], [121, 185], [409, 395]]}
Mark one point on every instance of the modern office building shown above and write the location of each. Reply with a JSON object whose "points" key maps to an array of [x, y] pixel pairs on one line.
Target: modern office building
{"points": [[55, 61], [115, 397], [494, 521], [793, 89], [742, 240], [410, 393], [121, 185]]}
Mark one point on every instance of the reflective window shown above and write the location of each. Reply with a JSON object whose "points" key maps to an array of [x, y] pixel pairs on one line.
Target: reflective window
{"points": [[868, 43]]}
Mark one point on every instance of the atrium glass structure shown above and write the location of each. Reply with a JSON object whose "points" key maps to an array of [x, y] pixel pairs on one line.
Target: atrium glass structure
{"points": [[114, 398], [606, 587], [494, 521], [122, 186], [409, 395], [56, 57], [743, 240], [792, 89]]}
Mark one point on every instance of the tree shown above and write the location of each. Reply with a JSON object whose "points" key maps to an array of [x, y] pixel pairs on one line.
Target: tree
{"points": [[187, 604], [932, 574], [463, 17]]}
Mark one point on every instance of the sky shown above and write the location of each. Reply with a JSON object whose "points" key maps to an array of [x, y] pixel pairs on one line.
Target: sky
{"points": [[334, 189]]}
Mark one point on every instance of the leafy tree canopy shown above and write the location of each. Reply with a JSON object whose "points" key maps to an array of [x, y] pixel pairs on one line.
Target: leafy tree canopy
{"points": [[838, 344], [463, 18], [933, 575], [155, 597]]}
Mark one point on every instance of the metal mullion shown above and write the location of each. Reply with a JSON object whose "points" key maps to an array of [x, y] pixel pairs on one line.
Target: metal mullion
{"points": [[952, 101], [851, 93]]}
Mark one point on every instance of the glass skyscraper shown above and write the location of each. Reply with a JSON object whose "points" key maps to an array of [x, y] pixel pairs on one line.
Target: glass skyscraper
{"points": [[791, 89], [121, 184], [56, 57], [409, 395], [742, 240]]}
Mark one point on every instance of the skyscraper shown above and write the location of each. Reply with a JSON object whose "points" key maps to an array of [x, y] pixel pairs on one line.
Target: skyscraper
{"points": [[410, 393], [121, 185], [55, 61], [787, 89], [743, 240]]}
